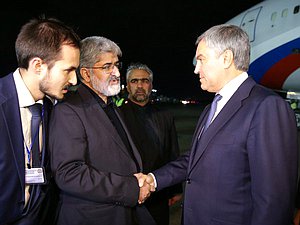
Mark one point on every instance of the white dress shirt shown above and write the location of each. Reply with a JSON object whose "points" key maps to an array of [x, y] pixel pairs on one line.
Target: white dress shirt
{"points": [[25, 99]]}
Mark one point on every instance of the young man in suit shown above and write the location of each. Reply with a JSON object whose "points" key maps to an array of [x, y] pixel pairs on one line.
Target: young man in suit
{"points": [[154, 133], [48, 55], [92, 154], [242, 166]]}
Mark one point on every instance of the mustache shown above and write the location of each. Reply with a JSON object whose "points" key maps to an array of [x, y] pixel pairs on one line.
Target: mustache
{"points": [[114, 77], [141, 90]]}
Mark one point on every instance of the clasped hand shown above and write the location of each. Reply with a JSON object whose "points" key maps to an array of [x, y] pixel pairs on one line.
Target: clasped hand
{"points": [[146, 184]]}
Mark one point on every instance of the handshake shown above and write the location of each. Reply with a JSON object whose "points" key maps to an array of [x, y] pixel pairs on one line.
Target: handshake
{"points": [[146, 184]]}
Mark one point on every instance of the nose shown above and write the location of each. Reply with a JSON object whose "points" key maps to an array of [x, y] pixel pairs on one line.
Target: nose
{"points": [[140, 83], [73, 78], [197, 68], [115, 71]]}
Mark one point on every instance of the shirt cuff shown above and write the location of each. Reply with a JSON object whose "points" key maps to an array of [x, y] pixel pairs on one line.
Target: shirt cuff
{"points": [[152, 175]]}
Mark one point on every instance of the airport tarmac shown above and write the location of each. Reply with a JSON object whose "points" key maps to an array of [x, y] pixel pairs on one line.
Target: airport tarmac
{"points": [[186, 117]]}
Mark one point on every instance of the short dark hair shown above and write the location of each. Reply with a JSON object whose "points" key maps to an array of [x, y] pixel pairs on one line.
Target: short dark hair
{"points": [[43, 38], [138, 66]]}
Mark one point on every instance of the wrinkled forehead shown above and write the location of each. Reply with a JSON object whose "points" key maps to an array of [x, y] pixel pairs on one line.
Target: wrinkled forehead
{"points": [[108, 57], [204, 51], [138, 73]]}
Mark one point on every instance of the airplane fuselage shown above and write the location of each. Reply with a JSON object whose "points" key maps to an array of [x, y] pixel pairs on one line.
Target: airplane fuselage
{"points": [[273, 27]]}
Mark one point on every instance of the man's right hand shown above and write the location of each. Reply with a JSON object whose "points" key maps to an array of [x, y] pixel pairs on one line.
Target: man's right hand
{"points": [[146, 184]]}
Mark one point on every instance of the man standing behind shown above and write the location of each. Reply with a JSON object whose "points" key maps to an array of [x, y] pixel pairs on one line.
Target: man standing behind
{"points": [[154, 133], [92, 154], [242, 167], [48, 55]]}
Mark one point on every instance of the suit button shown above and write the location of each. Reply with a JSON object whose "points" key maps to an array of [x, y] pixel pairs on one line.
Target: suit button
{"points": [[188, 181]]}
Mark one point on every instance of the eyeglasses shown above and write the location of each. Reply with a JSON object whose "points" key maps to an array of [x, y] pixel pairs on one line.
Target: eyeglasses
{"points": [[108, 67]]}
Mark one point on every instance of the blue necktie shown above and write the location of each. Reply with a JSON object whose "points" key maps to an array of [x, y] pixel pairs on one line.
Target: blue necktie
{"points": [[34, 190], [212, 111], [35, 110]]}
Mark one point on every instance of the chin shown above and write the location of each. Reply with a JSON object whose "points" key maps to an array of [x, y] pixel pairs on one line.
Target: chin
{"points": [[56, 96]]}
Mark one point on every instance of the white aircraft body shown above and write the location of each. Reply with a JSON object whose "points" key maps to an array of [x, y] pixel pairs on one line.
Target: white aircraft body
{"points": [[273, 27]]}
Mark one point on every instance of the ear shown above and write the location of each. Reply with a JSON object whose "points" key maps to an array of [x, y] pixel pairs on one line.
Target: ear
{"points": [[85, 74], [227, 58], [36, 65]]}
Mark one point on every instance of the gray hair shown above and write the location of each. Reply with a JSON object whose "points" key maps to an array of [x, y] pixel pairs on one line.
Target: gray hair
{"points": [[139, 66], [92, 47], [229, 37]]}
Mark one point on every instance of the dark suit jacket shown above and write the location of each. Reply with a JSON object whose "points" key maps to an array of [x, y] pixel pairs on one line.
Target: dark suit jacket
{"points": [[12, 162], [92, 166], [244, 169], [154, 133]]}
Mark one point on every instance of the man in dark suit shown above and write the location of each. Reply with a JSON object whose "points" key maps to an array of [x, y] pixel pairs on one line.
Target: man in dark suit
{"points": [[242, 169], [47, 55], [154, 133], [92, 154]]}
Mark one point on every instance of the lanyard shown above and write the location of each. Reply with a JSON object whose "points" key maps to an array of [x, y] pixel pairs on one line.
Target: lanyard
{"points": [[36, 133]]}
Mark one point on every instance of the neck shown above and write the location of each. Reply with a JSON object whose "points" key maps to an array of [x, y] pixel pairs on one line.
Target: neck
{"points": [[32, 83]]}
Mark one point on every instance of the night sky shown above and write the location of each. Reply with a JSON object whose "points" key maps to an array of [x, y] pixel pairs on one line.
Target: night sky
{"points": [[159, 33]]}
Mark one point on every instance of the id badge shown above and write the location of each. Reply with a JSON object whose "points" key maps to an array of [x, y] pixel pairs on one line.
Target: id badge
{"points": [[35, 176]]}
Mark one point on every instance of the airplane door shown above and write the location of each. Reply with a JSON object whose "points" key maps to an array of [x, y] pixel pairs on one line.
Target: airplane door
{"points": [[248, 23]]}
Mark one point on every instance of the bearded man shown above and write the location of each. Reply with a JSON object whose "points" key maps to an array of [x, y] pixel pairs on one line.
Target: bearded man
{"points": [[93, 157]]}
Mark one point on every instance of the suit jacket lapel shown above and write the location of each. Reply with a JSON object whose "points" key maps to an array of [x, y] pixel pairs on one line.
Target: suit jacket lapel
{"points": [[91, 103], [47, 106], [231, 107], [134, 149], [10, 107], [198, 130]]}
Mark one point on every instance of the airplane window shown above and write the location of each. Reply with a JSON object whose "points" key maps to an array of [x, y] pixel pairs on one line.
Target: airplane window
{"points": [[296, 9], [273, 16], [284, 13]]}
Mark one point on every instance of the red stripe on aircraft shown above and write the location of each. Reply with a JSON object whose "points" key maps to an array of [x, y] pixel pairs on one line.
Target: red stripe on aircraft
{"points": [[278, 73]]}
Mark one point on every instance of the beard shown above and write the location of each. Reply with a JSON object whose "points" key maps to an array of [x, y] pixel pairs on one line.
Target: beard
{"points": [[140, 95], [106, 88], [140, 98], [46, 87]]}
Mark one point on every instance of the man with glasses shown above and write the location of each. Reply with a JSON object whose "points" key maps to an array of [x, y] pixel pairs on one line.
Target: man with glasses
{"points": [[154, 133], [93, 156]]}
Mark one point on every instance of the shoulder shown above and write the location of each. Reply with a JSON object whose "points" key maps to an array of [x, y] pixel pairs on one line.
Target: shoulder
{"points": [[162, 110], [263, 94], [162, 113], [8, 89], [74, 101], [266, 100], [125, 106], [71, 98], [6, 82]]}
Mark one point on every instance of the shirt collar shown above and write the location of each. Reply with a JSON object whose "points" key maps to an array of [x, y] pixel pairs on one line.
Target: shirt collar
{"points": [[24, 95], [230, 88]]}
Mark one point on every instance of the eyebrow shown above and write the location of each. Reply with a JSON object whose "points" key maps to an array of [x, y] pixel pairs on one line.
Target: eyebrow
{"points": [[109, 63], [71, 68], [199, 56], [146, 78]]}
